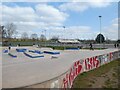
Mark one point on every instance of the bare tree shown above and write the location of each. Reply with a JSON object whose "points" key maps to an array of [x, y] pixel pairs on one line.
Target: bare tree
{"points": [[1, 29], [34, 36], [42, 37], [24, 36], [10, 30], [2, 32]]}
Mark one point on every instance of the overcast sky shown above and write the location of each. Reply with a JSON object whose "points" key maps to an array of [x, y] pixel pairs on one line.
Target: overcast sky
{"points": [[79, 18]]}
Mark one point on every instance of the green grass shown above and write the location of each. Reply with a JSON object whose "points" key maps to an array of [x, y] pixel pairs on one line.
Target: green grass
{"points": [[60, 47], [82, 81], [96, 48]]}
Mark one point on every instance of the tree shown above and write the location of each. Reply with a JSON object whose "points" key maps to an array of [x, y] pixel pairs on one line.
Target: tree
{"points": [[34, 36], [100, 38], [55, 38], [118, 41], [42, 37], [10, 30], [2, 32], [1, 29], [24, 36]]}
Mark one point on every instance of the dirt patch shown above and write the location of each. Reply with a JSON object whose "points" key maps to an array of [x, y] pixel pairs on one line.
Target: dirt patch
{"points": [[108, 80]]}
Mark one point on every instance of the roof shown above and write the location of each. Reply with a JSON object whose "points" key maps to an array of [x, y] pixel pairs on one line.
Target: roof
{"points": [[69, 41]]}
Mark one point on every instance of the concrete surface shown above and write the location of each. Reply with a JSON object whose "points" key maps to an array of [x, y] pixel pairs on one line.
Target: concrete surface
{"points": [[24, 71], [0, 67]]}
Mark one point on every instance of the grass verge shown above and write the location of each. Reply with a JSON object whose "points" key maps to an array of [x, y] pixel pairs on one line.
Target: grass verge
{"points": [[106, 76]]}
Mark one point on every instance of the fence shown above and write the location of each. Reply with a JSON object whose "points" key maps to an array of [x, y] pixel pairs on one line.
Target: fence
{"points": [[30, 43]]}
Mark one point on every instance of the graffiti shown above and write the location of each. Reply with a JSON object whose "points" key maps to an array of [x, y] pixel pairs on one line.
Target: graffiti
{"points": [[74, 71], [118, 54], [91, 63], [86, 65], [111, 56], [104, 59], [115, 55]]}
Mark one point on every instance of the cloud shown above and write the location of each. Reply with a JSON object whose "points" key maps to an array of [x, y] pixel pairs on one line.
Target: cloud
{"points": [[50, 14], [80, 32], [17, 14], [76, 6], [47, 17], [72, 32], [30, 19], [111, 31], [82, 6], [0, 12], [42, 12], [78, 29], [58, 0]]}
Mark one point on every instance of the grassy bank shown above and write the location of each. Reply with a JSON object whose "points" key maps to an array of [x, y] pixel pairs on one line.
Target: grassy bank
{"points": [[67, 47], [105, 76]]}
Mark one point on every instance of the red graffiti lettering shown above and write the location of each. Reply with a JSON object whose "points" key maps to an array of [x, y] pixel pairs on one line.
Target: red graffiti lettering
{"points": [[78, 67], [65, 81], [91, 63], [111, 56], [96, 61], [74, 71]]}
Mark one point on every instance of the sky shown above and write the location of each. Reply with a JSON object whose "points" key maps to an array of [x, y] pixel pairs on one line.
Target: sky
{"points": [[81, 19]]}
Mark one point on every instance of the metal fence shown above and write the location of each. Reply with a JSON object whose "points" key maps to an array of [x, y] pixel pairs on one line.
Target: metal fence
{"points": [[30, 43]]}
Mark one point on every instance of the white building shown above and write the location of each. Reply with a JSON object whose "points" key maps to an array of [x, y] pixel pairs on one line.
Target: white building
{"points": [[69, 41]]}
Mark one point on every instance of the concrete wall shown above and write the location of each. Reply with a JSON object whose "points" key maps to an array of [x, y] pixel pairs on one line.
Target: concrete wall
{"points": [[66, 79]]}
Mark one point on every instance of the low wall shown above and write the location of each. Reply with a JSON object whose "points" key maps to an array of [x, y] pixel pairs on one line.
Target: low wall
{"points": [[66, 79]]}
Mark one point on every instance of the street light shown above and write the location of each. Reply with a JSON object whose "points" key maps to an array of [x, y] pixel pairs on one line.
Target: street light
{"points": [[45, 37], [100, 28], [64, 36]]}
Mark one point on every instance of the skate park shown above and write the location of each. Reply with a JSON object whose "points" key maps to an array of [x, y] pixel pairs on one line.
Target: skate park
{"points": [[53, 44], [47, 68]]}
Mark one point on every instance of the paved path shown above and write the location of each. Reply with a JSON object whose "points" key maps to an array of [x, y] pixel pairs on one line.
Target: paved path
{"points": [[23, 71]]}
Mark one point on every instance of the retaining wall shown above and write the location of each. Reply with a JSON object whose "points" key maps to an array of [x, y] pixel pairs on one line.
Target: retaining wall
{"points": [[66, 79]]}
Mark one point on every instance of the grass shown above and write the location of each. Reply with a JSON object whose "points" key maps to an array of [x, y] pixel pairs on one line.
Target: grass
{"points": [[96, 48], [60, 47], [83, 80]]}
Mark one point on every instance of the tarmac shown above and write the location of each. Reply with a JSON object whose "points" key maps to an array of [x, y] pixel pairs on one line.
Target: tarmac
{"points": [[25, 71]]}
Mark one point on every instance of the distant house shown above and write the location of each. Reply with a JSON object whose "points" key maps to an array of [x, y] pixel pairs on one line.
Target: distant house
{"points": [[69, 41]]}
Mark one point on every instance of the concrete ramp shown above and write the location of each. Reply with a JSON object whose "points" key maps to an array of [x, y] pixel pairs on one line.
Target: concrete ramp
{"points": [[51, 52], [46, 49], [12, 55]]}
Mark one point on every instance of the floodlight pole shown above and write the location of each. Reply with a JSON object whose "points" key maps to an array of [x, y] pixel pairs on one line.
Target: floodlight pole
{"points": [[64, 36], [45, 37], [100, 30]]}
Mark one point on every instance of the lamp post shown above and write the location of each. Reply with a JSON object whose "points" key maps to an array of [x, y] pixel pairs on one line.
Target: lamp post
{"points": [[100, 29], [64, 36], [45, 37]]}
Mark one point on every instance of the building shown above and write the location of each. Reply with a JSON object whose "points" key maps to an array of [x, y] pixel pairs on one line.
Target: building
{"points": [[69, 41]]}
